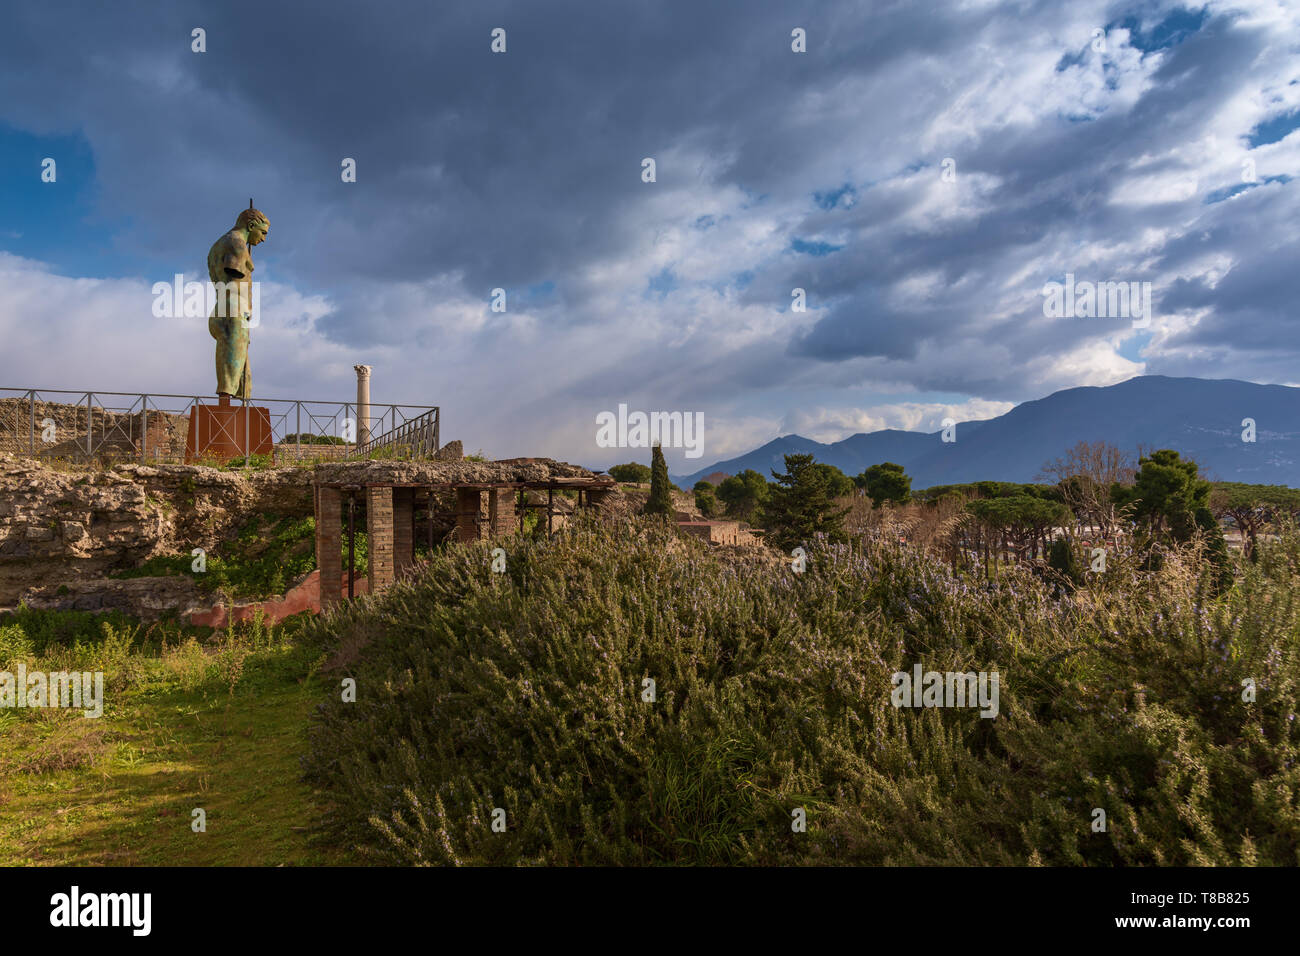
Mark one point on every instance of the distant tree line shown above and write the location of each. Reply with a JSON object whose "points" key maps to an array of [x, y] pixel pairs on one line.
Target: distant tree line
{"points": [[1092, 494]]}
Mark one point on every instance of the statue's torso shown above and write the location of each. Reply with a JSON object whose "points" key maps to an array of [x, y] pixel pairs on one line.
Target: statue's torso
{"points": [[229, 252]]}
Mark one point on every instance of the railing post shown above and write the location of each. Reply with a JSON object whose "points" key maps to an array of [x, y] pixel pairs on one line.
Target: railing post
{"points": [[247, 463], [89, 396], [32, 434], [144, 427], [298, 430]]}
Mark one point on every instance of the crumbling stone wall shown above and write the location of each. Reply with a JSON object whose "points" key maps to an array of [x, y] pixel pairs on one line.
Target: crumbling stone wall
{"points": [[65, 526]]}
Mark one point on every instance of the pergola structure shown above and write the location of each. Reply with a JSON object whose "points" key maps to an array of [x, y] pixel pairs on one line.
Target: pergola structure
{"points": [[491, 501]]}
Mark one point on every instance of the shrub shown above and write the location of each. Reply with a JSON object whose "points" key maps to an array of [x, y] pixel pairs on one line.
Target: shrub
{"points": [[633, 472], [523, 691], [1063, 560], [705, 499]]}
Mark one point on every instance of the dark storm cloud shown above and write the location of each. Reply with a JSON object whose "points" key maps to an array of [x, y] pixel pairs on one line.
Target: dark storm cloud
{"points": [[522, 171], [1054, 179]]}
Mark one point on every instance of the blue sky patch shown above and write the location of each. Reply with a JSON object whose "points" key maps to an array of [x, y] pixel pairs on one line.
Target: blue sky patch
{"points": [[813, 248]]}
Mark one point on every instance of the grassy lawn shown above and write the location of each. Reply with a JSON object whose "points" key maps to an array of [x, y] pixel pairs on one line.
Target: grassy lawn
{"points": [[188, 723]]}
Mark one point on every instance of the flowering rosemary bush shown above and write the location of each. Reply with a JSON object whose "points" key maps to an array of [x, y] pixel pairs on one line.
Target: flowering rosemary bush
{"points": [[526, 691]]}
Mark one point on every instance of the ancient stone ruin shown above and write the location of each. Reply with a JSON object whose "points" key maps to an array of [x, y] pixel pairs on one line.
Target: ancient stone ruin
{"points": [[490, 499]]}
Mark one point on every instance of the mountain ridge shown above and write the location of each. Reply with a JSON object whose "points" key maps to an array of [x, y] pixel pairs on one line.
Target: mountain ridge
{"points": [[1200, 418]]}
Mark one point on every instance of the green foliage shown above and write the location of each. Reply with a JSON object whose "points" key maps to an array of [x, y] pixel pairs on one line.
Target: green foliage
{"points": [[306, 438], [1165, 495], [1018, 514], [838, 484], [1232, 495], [1252, 508], [743, 494], [991, 489], [134, 656], [1063, 560], [885, 482], [705, 499], [263, 560], [26, 632], [660, 501], [1217, 556], [256, 462], [524, 691], [633, 472], [800, 506]]}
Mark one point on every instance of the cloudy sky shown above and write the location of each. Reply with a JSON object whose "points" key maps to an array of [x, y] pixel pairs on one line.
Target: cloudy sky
{"points": [[921, 171]]}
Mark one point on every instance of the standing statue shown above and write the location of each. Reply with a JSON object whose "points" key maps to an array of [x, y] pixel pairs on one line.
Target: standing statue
{"points": [[230, 268]]}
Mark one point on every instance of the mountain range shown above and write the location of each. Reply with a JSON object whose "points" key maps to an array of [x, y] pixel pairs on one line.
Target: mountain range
{"points": [[1199, 418]]}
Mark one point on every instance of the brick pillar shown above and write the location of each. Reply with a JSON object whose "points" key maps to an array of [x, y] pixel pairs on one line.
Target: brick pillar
{"points": [[403, 530], [379, 537], [468, 503], [329, 545], [501, 511]]}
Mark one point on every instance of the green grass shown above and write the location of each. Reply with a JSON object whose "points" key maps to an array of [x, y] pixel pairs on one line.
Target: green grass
{"points": [[186, 724]]}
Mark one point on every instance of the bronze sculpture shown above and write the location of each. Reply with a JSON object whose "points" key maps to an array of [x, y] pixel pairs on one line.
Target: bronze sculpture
{"points": [[230, 267]]}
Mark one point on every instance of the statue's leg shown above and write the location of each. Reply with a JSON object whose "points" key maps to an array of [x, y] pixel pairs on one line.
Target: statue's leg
{"points": [[244, 376], [229, 367]]}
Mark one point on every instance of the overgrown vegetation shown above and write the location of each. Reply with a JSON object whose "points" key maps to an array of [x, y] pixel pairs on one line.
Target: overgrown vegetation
{"points": [[527, 691], [263, 560]]}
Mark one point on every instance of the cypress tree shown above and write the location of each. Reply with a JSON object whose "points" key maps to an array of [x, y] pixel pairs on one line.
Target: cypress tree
{"points": [[660, 501]]}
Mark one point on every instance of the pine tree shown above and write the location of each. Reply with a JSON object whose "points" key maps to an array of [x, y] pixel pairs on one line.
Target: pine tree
{"points": [[660, 501], [886, 482], [800, 505]]}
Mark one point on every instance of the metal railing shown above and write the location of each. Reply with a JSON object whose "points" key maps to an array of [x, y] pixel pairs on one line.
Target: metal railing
{"points": [[153, 427], [416, 438]]}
